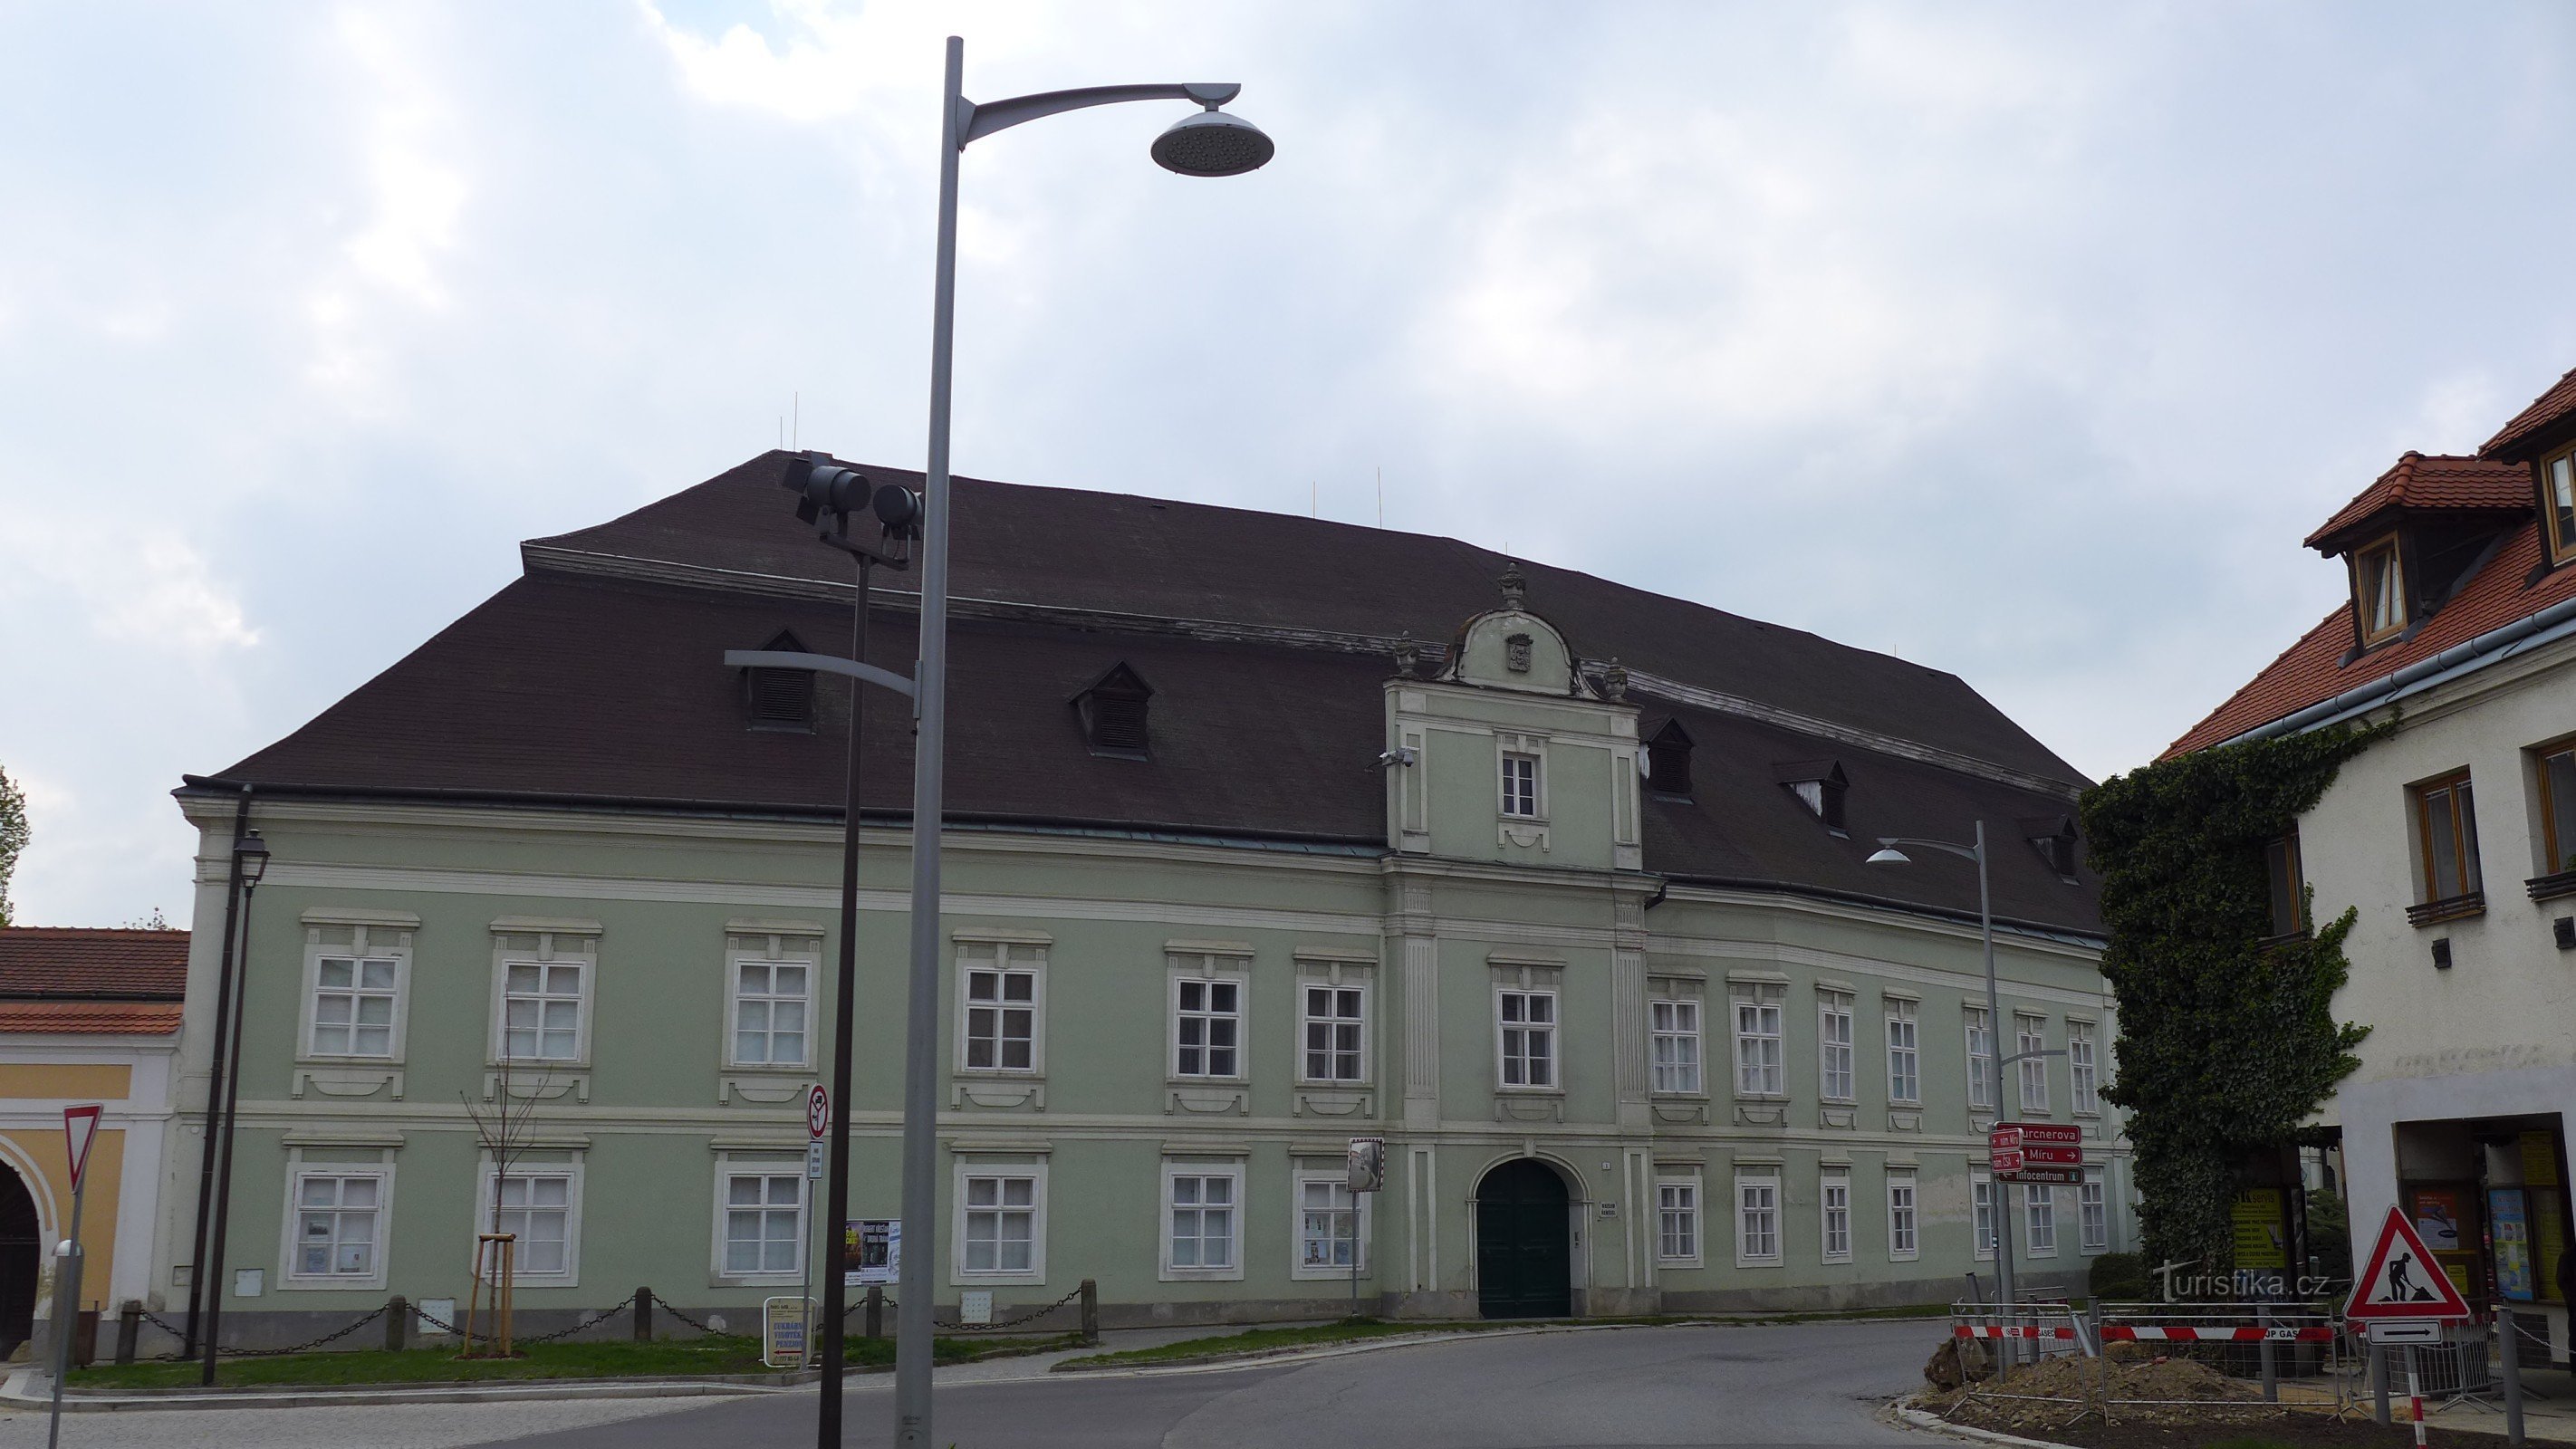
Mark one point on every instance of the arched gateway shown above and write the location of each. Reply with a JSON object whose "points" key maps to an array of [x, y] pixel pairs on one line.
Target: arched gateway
{"points": [[21, 1248], [1524, 1243]]}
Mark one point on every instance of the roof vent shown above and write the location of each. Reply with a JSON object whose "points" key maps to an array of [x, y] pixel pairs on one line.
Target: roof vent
{"points": [[1819, 785], [1668, 755], [1112, 710], [780, 699]]}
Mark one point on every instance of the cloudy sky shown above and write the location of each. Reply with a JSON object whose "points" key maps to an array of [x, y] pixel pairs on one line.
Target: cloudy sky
{"points": [[2023, 341]]}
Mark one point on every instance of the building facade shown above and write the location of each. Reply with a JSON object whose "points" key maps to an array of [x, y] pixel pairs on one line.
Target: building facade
{"points": [[2453, 838], [86, 1016], [1237, 870]]}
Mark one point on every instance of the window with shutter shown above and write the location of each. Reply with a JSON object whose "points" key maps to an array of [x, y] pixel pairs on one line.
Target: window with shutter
{"points": [[1668, 761], [780, 699], [1112, 711]]}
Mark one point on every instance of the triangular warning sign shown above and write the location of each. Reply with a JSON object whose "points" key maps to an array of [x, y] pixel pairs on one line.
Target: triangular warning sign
{"points": [[2403, 1280], [80, 1127]]}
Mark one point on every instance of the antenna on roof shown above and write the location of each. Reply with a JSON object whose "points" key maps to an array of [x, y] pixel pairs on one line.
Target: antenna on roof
{"points": [[796, 410], [1381, 495], [1314, 499]]}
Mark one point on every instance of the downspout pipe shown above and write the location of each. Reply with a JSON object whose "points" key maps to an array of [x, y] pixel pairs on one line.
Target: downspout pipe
{"points": [[198, 1275], [2552, 623]]}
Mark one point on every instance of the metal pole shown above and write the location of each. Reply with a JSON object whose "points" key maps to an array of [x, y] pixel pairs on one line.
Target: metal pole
{"points": [[2512, 1370], [215, 1081], [2415, 1396], [216, 1241], [930, 705], [66, 1314], [1995, 1074], [845, 991], [2378, 1379]]}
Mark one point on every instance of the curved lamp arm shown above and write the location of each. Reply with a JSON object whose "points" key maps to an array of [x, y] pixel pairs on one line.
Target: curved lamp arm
{"points": [[975, 122], [1964, 852]]}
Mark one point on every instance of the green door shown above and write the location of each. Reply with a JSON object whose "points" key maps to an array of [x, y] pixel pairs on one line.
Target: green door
{"points": [[1524, 1261]]}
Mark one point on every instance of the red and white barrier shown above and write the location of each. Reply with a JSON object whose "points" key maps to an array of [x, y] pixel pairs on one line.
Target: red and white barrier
{"points": [[2128, 1333], [1965, 1330]]}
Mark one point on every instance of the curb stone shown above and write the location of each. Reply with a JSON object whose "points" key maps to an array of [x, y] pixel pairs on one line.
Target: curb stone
{"points": [[15, 1397], [1935, 1424], [1244, 1358]]}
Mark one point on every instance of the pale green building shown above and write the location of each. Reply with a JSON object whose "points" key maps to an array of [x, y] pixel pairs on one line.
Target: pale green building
{"points": [[1237, 871]]}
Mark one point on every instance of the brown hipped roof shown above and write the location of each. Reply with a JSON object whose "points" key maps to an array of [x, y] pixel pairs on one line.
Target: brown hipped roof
{"points": [[2426, 482], [597, 678], [71, 963], [91, 1018]]}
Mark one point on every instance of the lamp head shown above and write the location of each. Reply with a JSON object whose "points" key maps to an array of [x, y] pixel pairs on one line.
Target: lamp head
{"points": [[251, 854], [822, 486], [899, 509], [1213, 143], [1890, 856]]}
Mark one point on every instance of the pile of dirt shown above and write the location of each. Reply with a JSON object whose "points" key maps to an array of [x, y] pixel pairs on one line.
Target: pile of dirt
{"points": [[2155, 1391]]}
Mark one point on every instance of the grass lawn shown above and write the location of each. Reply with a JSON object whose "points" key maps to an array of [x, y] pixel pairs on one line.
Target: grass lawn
{"points": [[716, 1354], [1348, 1330]]}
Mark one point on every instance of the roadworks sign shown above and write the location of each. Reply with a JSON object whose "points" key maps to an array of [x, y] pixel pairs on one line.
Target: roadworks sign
{"points": [[2403, 1280]]}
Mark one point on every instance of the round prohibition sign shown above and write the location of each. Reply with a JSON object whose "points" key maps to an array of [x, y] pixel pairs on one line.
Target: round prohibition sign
{"points": [[818, 1111]]}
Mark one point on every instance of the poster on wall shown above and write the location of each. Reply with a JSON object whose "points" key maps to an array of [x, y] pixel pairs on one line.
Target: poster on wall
{"points": [[2438, 1218], [2549, 1241], [2260, 1232], [871, 1252], [2512, 1235]]}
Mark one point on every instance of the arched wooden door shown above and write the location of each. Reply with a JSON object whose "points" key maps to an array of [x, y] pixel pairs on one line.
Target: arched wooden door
{"points": [[21, 1244], [1524, 1252]]}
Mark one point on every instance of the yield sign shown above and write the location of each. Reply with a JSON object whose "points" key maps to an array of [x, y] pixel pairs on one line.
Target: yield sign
{"points": [[80, 1128], [2403, 1279]]}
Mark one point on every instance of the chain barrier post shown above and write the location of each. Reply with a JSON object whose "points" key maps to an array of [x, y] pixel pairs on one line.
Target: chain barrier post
{"points": [[397, 1322], [2505, 1338], [643, 1315], [129, 1326], [1090, 1313], [875, 1310]]}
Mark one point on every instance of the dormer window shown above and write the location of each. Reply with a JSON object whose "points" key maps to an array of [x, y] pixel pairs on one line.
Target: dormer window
{"points": [[1112, 712], [2558, 507], [2379, 590], [2054, 838], [1819, 785], [780, 699], [1668, 761]]}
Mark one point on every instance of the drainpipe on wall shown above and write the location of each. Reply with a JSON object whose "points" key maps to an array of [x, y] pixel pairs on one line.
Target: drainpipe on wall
{"points": [[197, 1274]]}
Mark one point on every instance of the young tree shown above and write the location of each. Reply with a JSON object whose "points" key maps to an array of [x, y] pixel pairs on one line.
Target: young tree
{"points": [[13, 836]]}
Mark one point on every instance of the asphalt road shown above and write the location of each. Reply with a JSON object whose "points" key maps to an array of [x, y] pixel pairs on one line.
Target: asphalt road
{"points": [[1807, 1384]]}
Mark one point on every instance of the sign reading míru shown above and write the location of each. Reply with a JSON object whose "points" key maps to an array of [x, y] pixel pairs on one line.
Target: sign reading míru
{"points": [[2036, 1152]]}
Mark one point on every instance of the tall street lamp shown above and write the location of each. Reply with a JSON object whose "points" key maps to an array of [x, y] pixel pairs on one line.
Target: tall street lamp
{"points": [[1210, 143], [1888, 854], [250, 857]]}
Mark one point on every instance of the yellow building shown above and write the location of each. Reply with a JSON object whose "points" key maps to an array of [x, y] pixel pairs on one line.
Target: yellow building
{"points": [[85, 1016]]}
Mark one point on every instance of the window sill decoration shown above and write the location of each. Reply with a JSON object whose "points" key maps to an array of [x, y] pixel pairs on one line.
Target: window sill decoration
{"points": [[2449, 908], [2228, 1042], [2551, 887]]}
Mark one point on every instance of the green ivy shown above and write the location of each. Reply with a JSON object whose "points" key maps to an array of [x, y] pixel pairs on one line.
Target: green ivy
{"points": [[2227, 1042]]}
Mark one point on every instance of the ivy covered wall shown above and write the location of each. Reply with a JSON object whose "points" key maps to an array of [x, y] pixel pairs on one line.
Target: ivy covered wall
{"points": [[2228, 1041]]}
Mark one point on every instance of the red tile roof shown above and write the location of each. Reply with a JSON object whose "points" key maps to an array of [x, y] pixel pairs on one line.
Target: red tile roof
{"points": [[2433, 480], [2545, 412], [91, 1018], [2312, 670], [63, 961]]}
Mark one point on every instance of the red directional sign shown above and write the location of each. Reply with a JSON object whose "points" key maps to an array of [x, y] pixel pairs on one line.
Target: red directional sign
{"points": [[2036, 1152], [2404, 1280], [2005, 1160]]}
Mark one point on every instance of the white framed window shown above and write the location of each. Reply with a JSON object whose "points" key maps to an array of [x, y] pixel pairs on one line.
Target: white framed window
{"points": [[539, 1202], [771, 980], [1207, 1021], [1833, 1202], [1520, 785], [1000, 1225], [1759, 1071], [1903, 1244], [2083, 1072], [542, 993], [1981, 1194], [1757, 1218], [1904, 1052], [1202, 1220], [1331, 1228], [1003, 987], [759, 1218], [2030, 1037], [1525, 1024], [336, 1224], [2039, 1210], [1981, 1060], [1834, 1071], [1332, 1031], [1673, 1025], [2093, 1214], [1677, 1222], [357, 979]]}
